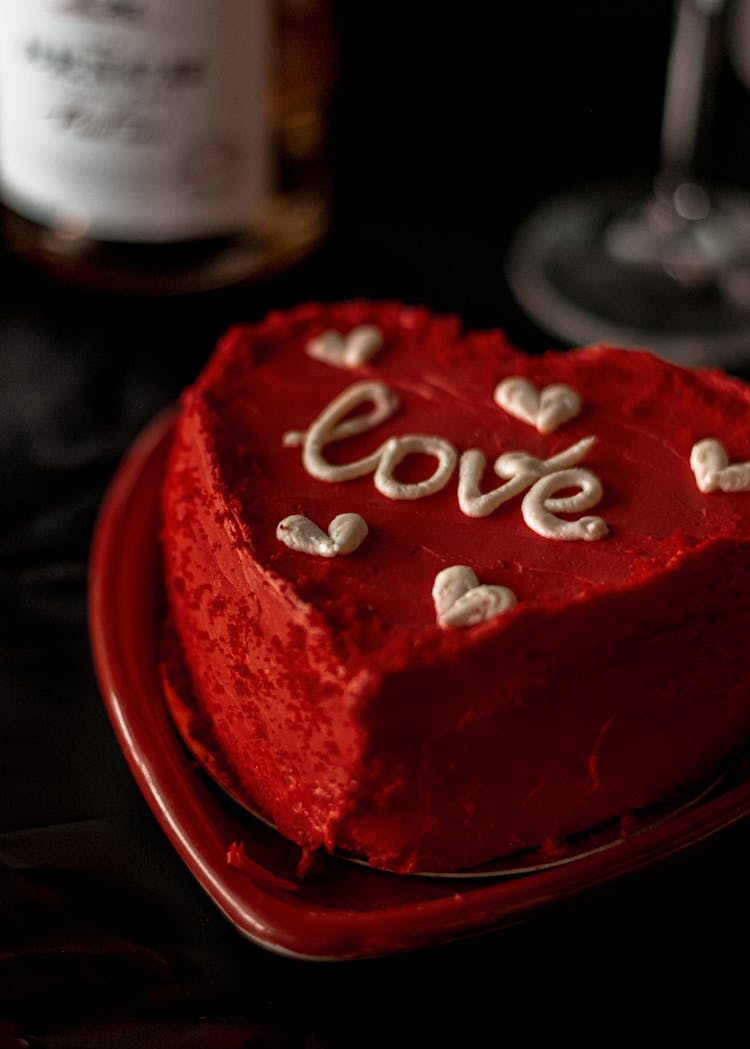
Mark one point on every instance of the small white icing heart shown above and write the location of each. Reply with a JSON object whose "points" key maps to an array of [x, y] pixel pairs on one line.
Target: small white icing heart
{"points": [[346, 351], [710, 463], [546, 409], [345, 533], [461, 601]]}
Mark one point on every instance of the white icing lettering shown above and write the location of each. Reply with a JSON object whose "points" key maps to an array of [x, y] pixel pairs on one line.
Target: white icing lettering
{"points": [[520, 469], [397, 449], [539, 507], [346, 351], [546, 409], [346, 532], [332, 425], [480, 504], [710, 464], [460, 600]]}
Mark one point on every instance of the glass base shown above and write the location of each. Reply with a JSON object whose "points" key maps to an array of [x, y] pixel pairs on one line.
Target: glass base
{"points": [[582, 269]]}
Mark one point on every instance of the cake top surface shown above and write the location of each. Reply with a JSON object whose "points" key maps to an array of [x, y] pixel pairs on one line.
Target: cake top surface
{"points": [[263, 385]]}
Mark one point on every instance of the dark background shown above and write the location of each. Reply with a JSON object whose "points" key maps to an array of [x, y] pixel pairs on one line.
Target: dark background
{"points": [[448, 124]]}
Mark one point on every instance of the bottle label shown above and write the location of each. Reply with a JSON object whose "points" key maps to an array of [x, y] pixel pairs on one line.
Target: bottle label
{"points": [[136, 120]]}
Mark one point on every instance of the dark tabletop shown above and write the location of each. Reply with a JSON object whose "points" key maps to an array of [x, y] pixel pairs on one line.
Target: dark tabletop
{"points": [[448, 124]]}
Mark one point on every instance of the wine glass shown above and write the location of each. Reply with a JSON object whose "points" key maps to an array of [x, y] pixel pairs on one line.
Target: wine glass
{"points": [[668, 270]]}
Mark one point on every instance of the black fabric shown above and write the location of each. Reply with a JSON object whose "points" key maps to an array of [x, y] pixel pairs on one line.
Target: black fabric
{"points": [[448, 124]]}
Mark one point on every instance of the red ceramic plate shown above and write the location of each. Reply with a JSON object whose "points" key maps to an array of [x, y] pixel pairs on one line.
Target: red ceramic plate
{"points": [[344, 910]]}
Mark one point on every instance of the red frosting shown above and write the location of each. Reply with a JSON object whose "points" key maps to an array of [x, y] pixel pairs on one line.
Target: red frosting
{"points": [[346, 714]]}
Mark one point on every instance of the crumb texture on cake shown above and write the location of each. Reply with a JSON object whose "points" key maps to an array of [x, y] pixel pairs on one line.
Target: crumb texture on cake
{"points": [[348, 716]]}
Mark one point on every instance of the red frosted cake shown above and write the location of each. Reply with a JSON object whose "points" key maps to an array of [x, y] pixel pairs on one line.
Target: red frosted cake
{"points": [[439, 601]]}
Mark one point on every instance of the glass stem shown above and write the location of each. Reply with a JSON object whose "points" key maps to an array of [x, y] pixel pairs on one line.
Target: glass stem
{"points": [[690, 83]]}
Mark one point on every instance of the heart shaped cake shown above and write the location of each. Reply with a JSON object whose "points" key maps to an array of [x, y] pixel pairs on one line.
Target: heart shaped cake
{"points": [[439, 601]]}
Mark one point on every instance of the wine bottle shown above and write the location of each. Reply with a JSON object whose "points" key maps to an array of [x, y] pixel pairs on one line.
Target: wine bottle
{"points": [[163, 146]]}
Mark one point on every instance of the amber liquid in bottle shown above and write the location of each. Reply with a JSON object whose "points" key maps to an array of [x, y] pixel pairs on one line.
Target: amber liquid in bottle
{"points": [[113, 89]]}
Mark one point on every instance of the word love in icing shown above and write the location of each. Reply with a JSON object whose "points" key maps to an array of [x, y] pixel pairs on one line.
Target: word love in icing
{"points": [[546, 409], [522, 472], [460, 600], [345, 534], [710, 464], [346, 351]]}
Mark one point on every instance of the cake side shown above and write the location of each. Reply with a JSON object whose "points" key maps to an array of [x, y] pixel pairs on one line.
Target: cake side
{"points": [[260, 662]]}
